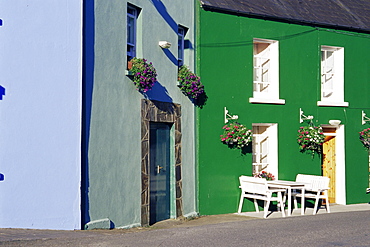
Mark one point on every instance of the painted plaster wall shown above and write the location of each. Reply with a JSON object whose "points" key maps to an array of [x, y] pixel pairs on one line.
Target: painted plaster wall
{"points": [[225, 51], [113, 114], [40, 114]]}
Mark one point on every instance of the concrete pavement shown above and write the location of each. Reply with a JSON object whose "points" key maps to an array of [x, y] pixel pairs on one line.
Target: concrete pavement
{"points": [[28, 237]]}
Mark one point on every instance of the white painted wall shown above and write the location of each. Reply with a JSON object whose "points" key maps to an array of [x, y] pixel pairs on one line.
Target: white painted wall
{"points": [[40, 115]]}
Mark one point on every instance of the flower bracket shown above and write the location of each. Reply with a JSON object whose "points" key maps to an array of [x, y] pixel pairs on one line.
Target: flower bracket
{"points": [[303, 117], [364, 118], [228, 117]]}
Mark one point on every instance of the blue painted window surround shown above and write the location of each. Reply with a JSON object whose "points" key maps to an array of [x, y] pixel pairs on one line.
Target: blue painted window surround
{"points": [[181, 45], [132, 14]]}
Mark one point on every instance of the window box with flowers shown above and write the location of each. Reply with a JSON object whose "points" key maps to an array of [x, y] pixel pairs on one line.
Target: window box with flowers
{"points": [[143, 74], [189, 83], [236, 135], [266, 175], [310, 139], [365, 138]]}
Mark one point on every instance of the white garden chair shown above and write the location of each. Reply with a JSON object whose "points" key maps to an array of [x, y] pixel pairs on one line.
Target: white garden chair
{"points": [[257, 189], [317, 188]]}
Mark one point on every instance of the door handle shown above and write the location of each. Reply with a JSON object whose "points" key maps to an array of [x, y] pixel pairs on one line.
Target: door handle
{"points": [[159, 169]]}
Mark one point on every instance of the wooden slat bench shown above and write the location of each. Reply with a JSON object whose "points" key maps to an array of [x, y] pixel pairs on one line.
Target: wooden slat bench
{"points": [[316, 188], [257, 189]]}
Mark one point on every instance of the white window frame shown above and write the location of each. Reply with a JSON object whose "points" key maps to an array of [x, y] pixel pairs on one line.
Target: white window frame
{"points": [[265, 160], [266, 72], [332, 76]]}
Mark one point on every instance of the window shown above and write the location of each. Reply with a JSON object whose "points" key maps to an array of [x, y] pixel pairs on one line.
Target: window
{"points": [[266, 72], [332, 76], [132, 15], [181, 45], [264, 145]]}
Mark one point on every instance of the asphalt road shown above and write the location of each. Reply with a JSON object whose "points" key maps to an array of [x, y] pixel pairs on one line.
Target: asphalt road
{"points": [[335, 229]]}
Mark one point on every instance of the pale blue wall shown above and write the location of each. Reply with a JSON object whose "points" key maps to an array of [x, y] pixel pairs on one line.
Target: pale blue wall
{"points": [[40, 115]]}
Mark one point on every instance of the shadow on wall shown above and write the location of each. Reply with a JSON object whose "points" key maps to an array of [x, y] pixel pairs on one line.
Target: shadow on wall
{"points": [[2, 92], [162, 10], [158, 93], [165, 15], [87, 90], [170, 56]]}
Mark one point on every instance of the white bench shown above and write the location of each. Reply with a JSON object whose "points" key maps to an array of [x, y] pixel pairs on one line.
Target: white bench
{"points": [[316, 188], [257, 189]]}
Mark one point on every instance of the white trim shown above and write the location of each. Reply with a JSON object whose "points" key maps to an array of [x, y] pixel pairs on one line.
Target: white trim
{"points": [[327, 103], [267, 101], [332, 75], [271, 66], [272, 152], [340, 167], [340, 175]]}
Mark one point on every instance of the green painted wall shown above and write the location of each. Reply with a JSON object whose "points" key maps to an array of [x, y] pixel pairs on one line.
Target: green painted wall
{"points": [[113, 169], [224, 55]]}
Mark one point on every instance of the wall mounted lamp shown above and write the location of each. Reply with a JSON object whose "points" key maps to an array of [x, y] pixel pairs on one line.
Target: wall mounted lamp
{"points": [[334, 122], [164, 44], [228, 117], [303, 117], [364, 119]]}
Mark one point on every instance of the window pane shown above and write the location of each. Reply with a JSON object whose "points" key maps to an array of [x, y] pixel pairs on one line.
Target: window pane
{"points": [[130, 30], [132, 14], [330, 60], [181, 40], [327, 73]]}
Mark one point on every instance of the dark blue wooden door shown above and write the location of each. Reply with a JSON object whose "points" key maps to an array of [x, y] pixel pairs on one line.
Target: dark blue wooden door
{"points": [[159, 186]]}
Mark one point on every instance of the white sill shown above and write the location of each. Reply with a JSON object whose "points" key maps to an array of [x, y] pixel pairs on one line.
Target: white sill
{"points": [[267, 101], [328, 103], [128, 72]]}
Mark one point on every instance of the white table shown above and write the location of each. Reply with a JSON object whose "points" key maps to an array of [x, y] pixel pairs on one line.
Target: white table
{"points": [[289, 185]]}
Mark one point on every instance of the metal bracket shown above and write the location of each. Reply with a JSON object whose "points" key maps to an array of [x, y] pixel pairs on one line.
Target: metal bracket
{"points": [[364, 119], [228, 117], [303, 117]]}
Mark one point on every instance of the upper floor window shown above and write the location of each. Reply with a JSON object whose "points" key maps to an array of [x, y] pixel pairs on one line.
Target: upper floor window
{"points": [[132, 15], [332, 76], [264, 146], [181, 45], [266, 72]]}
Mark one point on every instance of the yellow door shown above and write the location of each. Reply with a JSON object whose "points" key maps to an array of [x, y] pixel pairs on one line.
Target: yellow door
{"points": [[328, 165]]}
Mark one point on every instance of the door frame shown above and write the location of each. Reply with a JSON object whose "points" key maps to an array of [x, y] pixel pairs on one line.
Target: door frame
{"points": [[340, 168], [156, 111]]}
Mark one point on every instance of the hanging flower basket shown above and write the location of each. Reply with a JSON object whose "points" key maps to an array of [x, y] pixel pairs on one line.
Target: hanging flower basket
{"points": [[310, 139], [144, 74], [236, 135], [365, 137], [189, 83]]}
